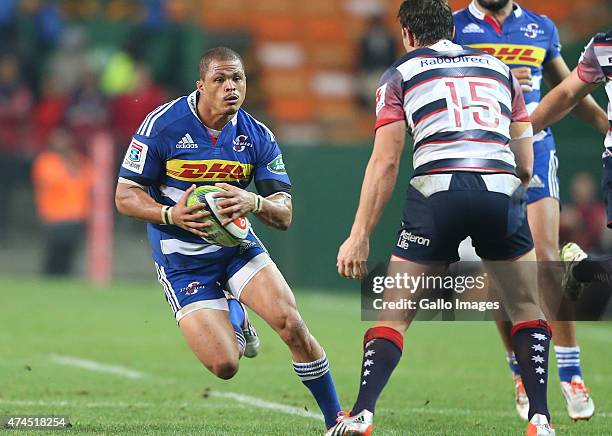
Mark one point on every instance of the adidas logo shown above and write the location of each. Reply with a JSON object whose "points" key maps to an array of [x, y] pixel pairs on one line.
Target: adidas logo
{"points": [[186, 142], [472, 28]]}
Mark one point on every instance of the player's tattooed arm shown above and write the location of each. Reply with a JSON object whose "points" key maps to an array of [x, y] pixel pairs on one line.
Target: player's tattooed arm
{"points": [[586, 109], [560, 101], [133, 201], [274, 210]]}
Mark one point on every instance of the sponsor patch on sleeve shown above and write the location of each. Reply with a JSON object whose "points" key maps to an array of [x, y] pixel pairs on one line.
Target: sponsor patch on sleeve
{"points": [[277, 166], [135, 157]]}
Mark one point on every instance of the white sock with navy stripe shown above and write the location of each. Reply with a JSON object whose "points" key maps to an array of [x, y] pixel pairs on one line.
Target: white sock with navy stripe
{"points": [[568, 362], [317, 378]]}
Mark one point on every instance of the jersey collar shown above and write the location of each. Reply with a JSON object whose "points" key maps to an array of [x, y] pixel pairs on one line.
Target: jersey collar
{"points": [[445, 45], [228, 129], [192, 102], [473, 9]]}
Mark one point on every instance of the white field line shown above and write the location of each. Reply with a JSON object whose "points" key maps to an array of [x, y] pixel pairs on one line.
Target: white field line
{"points": [[239, 398], [129, 373], [96, 366], [252, 401], [263, 404]]}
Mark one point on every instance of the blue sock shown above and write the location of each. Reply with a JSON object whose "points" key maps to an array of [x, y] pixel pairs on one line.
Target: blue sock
{"points": [[512, 363], [568, 363], [236, 314], [318, 379]]}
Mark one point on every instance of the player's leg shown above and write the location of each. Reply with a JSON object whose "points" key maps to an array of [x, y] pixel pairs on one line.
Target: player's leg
{"points": [[210, 335], [383, 345], [544, 219], [383, 342], [203, 315], [580, 269], [434, 215], [509, 256], [257, 282]]}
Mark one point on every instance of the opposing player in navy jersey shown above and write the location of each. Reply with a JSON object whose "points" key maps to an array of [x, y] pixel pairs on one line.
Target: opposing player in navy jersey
{"points": [[473, 157], [594, 69], [529, 44], [202, 139]]}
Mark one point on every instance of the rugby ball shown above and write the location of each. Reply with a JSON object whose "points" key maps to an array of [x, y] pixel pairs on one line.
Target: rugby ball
{"points": [[230, 235]]}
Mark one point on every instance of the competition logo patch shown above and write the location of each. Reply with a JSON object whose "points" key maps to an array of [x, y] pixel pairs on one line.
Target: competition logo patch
{"points": [[515, 54], [213, 170], [135, 156], [277, 166]]}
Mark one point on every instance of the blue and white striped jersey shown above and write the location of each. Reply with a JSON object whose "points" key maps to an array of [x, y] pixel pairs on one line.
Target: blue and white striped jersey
{"points": [[172, 149]]}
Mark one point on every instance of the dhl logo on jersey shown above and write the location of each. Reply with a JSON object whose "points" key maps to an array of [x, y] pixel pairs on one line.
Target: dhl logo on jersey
{"points": [[213, 170], [515, 54]]}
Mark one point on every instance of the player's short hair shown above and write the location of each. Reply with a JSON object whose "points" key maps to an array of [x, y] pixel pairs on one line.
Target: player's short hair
{"points": [[217, 54], [429, 20]]}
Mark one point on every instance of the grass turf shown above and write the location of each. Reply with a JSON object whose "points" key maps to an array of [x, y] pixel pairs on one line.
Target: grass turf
{"points": [[452, 379]]}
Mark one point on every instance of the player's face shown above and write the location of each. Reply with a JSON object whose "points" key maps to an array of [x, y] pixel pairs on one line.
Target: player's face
{"points": [[224, 86], [493, 5]]}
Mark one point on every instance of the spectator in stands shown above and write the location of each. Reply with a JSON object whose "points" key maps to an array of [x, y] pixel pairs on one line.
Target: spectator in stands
{"points": [[88, 109], [69, 63], [130, 108], [48, 112], [584, 218], [15, 105], [62, 185], [377, 51]]}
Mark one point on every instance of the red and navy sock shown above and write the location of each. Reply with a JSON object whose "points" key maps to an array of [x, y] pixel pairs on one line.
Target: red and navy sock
{"points": [[531, 341], [594, 269], [382, 351]]}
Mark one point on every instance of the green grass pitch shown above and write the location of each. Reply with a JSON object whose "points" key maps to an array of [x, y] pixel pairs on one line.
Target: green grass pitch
{"points": [[452, 379]]}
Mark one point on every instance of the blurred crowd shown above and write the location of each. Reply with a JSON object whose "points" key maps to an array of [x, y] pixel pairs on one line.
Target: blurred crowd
{"points": [[60, 84]]}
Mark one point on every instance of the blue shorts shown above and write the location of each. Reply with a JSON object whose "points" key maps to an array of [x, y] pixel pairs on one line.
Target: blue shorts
{"points": [[544, 182], [606, 184], [442, 210], [188, 290]]}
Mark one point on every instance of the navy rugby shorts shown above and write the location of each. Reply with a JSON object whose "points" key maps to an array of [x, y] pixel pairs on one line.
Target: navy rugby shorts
{"points": [[441, 210]]}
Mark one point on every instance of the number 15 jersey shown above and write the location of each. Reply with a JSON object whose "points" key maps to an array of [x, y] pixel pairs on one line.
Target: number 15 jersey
{"points": [[458, 104]]}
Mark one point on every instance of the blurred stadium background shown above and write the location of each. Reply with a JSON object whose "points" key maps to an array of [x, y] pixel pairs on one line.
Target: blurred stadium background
{"points": [[94, 68]]}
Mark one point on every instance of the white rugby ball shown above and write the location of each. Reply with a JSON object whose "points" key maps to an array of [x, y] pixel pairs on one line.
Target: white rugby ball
{"points": [[230, 235]]}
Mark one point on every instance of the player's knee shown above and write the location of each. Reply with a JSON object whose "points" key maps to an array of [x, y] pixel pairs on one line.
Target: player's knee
{"points": [[224, 368]]}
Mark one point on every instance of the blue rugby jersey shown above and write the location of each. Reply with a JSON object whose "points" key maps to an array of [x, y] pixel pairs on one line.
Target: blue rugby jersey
{"points": [[172, 149], [526, 39]]}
